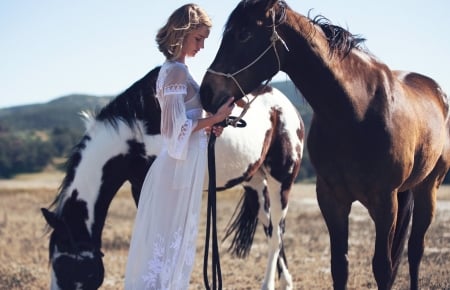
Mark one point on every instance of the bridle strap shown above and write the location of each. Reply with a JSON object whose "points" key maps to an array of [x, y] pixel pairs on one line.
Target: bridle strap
{"points": [[231, 76], [78, 246], [211, 210], [273, 39], [235, 120]]}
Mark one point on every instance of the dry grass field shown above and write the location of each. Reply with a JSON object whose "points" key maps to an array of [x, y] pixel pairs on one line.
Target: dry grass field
{"points": [[24, 253]]}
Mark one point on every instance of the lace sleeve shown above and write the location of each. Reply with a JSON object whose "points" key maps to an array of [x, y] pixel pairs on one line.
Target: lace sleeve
{"points": [[175, 126]]}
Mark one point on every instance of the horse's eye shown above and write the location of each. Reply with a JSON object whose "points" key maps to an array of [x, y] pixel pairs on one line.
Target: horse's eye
{"points": [[244, 35]]}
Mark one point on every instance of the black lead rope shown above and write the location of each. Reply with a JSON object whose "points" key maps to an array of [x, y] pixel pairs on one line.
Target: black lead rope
{"points": [[211, 214]]}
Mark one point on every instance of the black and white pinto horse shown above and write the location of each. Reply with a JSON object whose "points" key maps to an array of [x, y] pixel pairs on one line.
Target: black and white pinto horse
{"points": [[121, 143]]}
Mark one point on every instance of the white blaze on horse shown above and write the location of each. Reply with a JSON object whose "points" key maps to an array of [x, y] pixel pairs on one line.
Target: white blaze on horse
{"points": [[121, 143], [378, 136]]}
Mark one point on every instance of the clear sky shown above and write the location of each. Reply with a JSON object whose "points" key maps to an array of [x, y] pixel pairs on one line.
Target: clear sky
{"points": [[52, 48]]}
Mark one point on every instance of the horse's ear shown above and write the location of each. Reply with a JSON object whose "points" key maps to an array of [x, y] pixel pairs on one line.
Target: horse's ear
{"points": [[50, 217], [268, 4]]}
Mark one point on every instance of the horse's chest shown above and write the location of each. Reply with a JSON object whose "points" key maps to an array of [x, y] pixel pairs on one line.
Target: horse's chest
{"points": [[337, 155]]}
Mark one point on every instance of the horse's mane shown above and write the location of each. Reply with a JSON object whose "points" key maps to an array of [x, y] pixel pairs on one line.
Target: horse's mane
{"points": [[138, 102], [72, 162], [340, 40]]}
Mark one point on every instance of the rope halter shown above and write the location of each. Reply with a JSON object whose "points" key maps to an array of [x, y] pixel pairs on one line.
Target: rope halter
{"points": [[273, 39]]}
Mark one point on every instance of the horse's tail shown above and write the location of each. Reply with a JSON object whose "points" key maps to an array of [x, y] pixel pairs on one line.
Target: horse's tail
{"points": [[405, 207], [243, 224]]}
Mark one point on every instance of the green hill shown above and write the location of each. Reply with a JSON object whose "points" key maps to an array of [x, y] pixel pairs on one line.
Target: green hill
{"points": [[31, 136], [62, 112]]}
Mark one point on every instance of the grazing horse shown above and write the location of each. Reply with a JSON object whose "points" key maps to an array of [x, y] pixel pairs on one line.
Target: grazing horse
{"points": [[378, 136], [121, 143]]}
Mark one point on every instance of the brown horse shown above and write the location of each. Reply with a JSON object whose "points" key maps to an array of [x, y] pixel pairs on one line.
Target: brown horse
{"points": [[378, 136]]}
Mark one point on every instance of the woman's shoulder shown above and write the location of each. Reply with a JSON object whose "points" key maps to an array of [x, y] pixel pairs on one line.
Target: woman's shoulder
{"points": [[171, 65], [176, 70]]}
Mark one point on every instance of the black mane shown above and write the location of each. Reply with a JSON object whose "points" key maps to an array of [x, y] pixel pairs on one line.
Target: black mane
{"points": [[71, 164], [340, 40], [138, 102]]}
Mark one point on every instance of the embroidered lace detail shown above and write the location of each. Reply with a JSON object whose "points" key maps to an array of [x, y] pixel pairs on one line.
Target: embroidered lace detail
{"points": [[155, 265], [185, 129], [175, 89], [161, 268]]}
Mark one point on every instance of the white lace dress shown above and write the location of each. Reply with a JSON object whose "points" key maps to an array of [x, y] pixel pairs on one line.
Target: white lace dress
{"points": [[162, 247]]}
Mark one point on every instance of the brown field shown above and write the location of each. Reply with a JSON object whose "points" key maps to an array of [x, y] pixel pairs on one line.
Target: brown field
{"points": [[24, 253]]}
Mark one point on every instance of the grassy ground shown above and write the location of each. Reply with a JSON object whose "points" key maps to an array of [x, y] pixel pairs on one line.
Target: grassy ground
{"points": [[24, 243]]}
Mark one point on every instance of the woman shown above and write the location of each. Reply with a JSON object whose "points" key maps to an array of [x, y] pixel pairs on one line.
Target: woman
{"points": [[162, 247]]}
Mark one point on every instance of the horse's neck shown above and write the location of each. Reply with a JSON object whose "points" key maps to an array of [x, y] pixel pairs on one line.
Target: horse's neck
{"points": [[98, 175], [329, 83], [96, 208]]}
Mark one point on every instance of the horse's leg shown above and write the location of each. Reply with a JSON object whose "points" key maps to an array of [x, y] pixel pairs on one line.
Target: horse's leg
{"points": [[259, 183], [283, 272], [256, 192], [384, 213], [405, 206], [335, 213], [278, 210], [424, 208], [265, 216]]}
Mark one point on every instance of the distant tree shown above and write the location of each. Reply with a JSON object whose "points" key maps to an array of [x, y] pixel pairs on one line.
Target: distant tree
{"points": [[20, 153], [447, 179], [63, 139], [3, 128], [306, 169]]}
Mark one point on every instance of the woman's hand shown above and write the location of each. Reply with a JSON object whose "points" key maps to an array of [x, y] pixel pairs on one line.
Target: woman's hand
{"points": [[225, 110], [217, 130]]}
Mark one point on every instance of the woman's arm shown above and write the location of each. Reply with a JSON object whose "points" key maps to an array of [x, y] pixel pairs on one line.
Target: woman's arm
{"points": [[223, 112]]}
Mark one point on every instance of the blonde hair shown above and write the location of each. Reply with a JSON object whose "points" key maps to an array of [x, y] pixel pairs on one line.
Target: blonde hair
{"points": [[182, 21]]}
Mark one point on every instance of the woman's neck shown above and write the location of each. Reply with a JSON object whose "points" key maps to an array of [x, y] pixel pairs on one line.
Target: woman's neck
{"points": [[180, 59]]}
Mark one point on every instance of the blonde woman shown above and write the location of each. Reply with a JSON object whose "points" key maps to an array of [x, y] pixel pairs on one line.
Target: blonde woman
{"points": [[162, 247]]}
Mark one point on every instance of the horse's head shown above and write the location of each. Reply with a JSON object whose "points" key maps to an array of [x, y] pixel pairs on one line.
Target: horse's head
{"points": [[119, 145], [75, 258], [251, 51]]}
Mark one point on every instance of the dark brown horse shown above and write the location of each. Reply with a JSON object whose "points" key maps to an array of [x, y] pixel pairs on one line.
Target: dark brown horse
{"points": [[378, 136]]}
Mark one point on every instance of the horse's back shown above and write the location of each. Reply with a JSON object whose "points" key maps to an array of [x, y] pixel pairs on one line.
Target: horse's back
{"points": [[423, 114], [243, 151], [424, 88]]}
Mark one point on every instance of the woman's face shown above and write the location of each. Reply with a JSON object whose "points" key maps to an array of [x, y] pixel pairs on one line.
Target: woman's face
{"points": [[194, 41]]}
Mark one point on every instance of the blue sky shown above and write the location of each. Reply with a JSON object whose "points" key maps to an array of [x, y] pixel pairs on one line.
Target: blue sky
{"points": [[52, 48]]}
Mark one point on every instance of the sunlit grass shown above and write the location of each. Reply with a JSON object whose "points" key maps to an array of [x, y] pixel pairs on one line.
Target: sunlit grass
{"points": [[24, 242]]}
